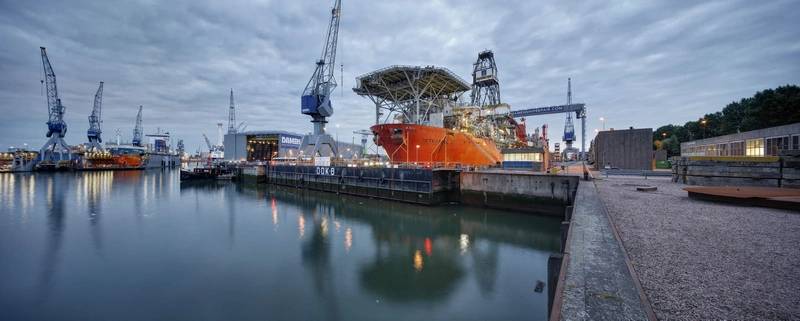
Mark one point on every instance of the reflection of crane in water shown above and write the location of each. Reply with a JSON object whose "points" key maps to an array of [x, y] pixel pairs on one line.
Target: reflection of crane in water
{"points": [[484, 262], [55, 222], [316, 257], [96, 183]]}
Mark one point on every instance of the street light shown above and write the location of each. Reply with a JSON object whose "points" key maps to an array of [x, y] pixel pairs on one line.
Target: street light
{"points": [[703, 123], [417, 159], [603, 119]]}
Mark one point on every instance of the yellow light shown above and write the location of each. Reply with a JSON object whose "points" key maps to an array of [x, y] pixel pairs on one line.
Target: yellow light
{"points": [[418, 261]]}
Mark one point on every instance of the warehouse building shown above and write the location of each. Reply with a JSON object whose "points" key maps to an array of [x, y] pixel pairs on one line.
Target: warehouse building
{"points": [[266, 145], [762, 142], [623, 149], [262, 145]]}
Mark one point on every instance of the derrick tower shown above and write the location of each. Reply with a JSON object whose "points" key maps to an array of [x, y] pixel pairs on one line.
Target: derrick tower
{"points": [[485, 86]]}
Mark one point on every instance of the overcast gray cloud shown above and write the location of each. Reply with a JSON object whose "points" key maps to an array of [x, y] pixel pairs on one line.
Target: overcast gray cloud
{"points": [[637, 63]]}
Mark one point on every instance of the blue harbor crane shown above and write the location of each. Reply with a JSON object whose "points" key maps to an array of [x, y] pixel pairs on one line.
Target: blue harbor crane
{"points": [[137, 130], [94, 122], [316, 98], [181, 148], [56, 149], [569, 128], [569, 108]]}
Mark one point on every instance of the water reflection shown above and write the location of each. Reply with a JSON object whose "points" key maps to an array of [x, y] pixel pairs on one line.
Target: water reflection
{"points": [[347, 258], [96, 186], [55, 192], [403, 267]]}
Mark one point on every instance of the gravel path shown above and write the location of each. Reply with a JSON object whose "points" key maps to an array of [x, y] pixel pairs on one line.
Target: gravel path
{"points": [[702, 260]]}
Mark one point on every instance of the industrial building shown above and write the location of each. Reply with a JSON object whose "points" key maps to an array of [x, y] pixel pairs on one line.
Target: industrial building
{"points": [[261, 145], [623, 149], [762, 142], [265, 145], [527, 158]]}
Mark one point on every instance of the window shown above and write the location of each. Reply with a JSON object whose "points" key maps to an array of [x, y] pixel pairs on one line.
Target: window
{"points": [[755, 147], [795, 142], [523, 157], [776, 144], [722, 149], [737, 149]]}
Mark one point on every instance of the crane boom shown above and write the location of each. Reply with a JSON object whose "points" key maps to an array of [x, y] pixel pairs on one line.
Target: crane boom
{"points": [[55, 151], [316, 96], [94, 132], [137, 130], [208, 142], [55, 122]]}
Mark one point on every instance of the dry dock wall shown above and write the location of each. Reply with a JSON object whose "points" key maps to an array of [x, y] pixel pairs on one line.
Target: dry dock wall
{"points": [[783, 171], [528, 192]]}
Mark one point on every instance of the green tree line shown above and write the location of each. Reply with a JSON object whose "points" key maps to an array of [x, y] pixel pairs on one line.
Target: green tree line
{"points": [[767, 108]]}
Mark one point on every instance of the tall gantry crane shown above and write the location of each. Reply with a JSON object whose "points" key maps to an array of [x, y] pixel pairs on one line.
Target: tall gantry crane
{"points": [[56, 149], [232, 117], [94, 121], [316, 98], [137, 130]]}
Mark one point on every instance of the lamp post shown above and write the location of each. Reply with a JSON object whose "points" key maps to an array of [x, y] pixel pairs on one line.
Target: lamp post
{"points": [[417, 158], [703, 124], [603, 120]]}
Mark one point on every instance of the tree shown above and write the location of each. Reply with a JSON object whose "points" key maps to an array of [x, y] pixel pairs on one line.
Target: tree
{"points": [[767, 108]]}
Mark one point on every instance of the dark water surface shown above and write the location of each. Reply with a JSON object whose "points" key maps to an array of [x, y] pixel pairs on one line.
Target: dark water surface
{"points": [[138, 245]]}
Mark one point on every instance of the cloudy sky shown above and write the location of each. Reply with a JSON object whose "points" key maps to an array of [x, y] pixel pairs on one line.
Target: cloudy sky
{"points": [[636, 63]]}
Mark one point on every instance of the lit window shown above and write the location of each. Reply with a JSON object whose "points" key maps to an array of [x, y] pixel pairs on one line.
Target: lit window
{"points": [[755, 147]]}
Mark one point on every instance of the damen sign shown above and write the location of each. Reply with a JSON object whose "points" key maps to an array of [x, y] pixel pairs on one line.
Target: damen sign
{"points": [[291, 141]]}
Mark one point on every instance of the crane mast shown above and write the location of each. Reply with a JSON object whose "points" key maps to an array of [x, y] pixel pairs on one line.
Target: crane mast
{"points": [[232, 117], [208, 142], [94, 121], [137, 130], [316, 98], [56, 149]]}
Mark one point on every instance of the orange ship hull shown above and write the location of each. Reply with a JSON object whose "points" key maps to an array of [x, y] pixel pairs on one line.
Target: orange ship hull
{"points": [[410, 143], [128, 161]]}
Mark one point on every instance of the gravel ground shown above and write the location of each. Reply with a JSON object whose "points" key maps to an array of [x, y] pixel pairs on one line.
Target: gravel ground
{"points": [[703, 260]]}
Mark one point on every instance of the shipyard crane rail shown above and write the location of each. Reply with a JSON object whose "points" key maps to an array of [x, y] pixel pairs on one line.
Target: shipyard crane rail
{"points": [[55, 149], [316, 98], [578, 109], [94, 132], [137, 130]]}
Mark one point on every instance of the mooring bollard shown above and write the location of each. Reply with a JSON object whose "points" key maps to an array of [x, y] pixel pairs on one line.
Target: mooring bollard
{"points": [[553, 271]]}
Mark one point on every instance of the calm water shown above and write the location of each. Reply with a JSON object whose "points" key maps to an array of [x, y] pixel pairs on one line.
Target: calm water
{"points": [[140, 246]]}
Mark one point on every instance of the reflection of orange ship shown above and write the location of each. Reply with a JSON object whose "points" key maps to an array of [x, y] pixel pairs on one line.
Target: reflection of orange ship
{"points": [[435, 145]]}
